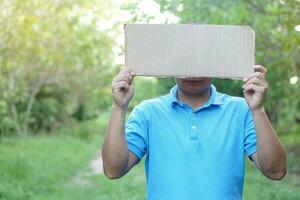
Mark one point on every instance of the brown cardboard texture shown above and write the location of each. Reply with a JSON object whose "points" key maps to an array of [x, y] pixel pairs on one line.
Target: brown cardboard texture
{"points": [[190, 50]]}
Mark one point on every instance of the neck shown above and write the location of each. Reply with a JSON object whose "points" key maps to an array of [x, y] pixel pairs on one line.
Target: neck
{"points": [[195, 101]]}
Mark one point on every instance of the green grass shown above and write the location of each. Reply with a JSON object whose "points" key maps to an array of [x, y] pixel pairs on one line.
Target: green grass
{"points": [[258, 186], [130, 187], [37, 167], [45, 168]]}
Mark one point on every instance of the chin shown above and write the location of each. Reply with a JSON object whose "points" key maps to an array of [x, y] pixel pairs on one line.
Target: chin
{"points": [[192, 91], [194, 86]]}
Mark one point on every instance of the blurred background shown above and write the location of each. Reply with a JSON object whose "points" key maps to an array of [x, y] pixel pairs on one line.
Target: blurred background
{"points": [[57, 61]]}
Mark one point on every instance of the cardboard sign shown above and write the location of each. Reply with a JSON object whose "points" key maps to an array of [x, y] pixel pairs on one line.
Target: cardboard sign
{"points": [[190, 50]]}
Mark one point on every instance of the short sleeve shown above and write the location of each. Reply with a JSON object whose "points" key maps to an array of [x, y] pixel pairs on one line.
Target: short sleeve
{"points": [[136, 133], [250, 135]]}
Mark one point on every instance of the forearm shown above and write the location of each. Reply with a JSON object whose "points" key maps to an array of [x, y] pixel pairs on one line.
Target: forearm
{"points": [[270, 152], [114, 148]]}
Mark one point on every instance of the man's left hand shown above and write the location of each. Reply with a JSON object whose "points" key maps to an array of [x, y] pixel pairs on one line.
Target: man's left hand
{"points": [[255, 87]]}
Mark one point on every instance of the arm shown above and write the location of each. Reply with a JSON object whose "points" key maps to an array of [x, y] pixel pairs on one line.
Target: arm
{"points": [[117, 159], [270, 157]]}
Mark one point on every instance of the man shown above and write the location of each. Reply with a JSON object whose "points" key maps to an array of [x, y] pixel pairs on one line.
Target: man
{"points": [[194, 138]]}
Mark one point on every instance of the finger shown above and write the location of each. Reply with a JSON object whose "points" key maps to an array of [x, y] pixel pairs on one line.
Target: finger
{"points": [[255, 74], [121, 86], [131, 75], [131, 82], [255, 81], [253, 88], [259, 68], [123, 77], [131, 87], [126, 69]]}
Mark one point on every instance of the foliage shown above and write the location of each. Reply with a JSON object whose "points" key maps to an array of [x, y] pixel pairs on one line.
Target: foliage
{"points": [[277, 46], [57, 57], [55, 62]]}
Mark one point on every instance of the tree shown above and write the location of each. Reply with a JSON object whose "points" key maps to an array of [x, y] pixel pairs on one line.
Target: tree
{"points": [[277, 46], [54, 61]]}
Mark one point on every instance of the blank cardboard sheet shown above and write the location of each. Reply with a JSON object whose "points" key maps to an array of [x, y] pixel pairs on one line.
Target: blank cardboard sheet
{"points": [[190, 50]]}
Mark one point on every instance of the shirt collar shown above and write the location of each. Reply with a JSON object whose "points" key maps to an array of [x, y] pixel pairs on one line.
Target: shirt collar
{"points": [[214, 98]]}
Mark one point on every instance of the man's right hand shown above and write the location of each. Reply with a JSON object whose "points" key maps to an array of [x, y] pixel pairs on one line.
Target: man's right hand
{"points": [[117, 159], [123, 88]]}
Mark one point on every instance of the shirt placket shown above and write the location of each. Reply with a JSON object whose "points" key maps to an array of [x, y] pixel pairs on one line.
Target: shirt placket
{"points": [[194, 133]]}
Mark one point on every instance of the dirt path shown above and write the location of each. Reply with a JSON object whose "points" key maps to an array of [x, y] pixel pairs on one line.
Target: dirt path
{"points": [[94, 168]]}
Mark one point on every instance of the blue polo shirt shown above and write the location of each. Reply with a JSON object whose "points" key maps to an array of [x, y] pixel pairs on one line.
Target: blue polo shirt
{"points": [[192, 154]]}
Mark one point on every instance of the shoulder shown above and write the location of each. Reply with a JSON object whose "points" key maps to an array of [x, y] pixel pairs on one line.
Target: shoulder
{"points": [[233, 101], [154, 104]]}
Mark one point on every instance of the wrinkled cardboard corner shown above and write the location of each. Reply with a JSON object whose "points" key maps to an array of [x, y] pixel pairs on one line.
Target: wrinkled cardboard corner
{"points": [[190, 50]]}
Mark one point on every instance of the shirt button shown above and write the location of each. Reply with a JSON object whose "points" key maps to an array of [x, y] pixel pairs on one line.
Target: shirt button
{"points": [[194, 127]]}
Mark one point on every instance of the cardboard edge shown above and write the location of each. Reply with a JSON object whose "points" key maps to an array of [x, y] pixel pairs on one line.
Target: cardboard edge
{"points": [[174, 76], [254, 47], [252, 32], [125, 43], [229, 25], [250, 29]]}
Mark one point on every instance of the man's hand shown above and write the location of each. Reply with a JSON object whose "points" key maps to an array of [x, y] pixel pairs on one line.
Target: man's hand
{"points": [[255, 87], [270, 157], [117, 159], [123, 88]]}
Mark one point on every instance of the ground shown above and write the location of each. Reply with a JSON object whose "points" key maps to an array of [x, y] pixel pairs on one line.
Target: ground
{"points": [[68, 167]]}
